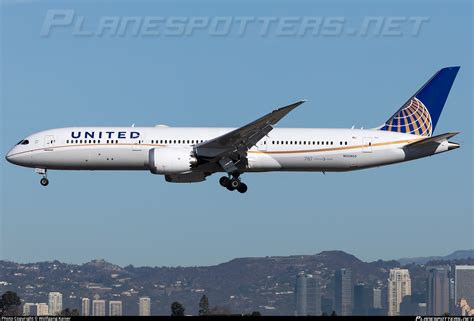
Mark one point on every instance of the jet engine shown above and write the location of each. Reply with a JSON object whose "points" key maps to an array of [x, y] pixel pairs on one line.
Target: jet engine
{"points": [[171, 160]]}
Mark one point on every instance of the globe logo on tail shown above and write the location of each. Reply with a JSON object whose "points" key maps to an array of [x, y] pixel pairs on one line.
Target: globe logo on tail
{"points": [[413, 118]]}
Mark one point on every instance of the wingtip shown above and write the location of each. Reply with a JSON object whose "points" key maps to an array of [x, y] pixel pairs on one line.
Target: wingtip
{"points": [[299, 102]]}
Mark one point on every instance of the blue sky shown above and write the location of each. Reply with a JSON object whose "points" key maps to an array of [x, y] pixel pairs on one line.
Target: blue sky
{"points": [[417, 208]]}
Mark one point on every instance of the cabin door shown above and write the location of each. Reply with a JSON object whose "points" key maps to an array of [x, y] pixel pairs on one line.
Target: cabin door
{"points": [[48, 142]]}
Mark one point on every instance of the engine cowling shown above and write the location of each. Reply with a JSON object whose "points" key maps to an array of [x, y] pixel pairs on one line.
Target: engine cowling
{"points": [[171, 160]]}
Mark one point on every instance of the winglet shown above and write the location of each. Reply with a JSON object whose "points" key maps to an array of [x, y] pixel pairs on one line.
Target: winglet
{"points": [[281, 112]]}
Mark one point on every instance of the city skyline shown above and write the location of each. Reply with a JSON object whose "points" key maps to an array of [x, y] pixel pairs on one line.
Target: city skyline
{"points": [[308, 297]]}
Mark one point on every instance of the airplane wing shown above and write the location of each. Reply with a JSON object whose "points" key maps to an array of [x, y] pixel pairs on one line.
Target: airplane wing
{"points": [[430, 140], [239, 141]]}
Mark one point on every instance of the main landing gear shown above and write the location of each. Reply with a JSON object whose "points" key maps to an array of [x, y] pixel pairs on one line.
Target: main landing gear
{"points": [[44, 181], [233, 183]]}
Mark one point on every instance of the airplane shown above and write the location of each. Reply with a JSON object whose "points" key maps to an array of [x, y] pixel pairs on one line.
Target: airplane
{"points": [[188, 155]]}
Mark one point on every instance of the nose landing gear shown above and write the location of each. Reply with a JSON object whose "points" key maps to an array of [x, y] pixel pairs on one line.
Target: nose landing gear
{"points": [[44, 181], [42, 171], [233, 183]]}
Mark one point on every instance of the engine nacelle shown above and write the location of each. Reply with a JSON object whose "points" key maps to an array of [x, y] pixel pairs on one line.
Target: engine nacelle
{"points": [[171, 160]]}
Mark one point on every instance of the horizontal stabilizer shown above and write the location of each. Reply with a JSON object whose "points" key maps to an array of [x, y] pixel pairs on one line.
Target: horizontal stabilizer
{"points": [[434, 139]]}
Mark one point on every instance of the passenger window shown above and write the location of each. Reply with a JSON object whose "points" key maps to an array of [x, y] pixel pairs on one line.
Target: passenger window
{"points": [[346, 143]]}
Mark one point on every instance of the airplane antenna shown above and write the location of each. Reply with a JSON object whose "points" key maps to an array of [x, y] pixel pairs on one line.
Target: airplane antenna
{"points": [[133, 125]]}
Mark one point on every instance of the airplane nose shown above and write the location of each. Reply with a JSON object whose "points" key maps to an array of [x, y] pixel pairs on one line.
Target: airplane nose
{"points": [[8, 156], [11, 158]]}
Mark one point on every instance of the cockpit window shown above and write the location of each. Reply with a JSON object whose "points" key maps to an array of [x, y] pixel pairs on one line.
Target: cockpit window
{"points": [[25, 142], [21, 141]]}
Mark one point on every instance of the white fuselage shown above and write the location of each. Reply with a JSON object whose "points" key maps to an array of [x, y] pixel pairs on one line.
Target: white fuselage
{"points": [[284, 149]]}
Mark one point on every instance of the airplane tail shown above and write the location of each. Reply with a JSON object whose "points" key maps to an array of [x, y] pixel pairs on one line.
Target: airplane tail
{"points": [[420, 114]]}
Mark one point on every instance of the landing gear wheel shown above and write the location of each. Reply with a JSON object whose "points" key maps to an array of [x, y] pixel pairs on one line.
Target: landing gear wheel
{"points": [[224, 181], [234, 183], [242, 188], [44, 182]]}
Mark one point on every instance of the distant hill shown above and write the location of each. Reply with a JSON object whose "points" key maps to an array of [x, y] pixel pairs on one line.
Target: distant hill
{"points": [[242, 285], [457, 255]]}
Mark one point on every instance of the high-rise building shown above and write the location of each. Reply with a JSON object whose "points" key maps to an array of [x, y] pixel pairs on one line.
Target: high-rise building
{"points": [[410, 306], [144, 306], [453, 309], [308, 295], [115, 308], [55, 303], [438, 290], [98, 307], [363, 299], [343, 292], [377, 294], [86, 307], [464, 284], [327, 305], [29, 309], [399, 285], [42, 309]]}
